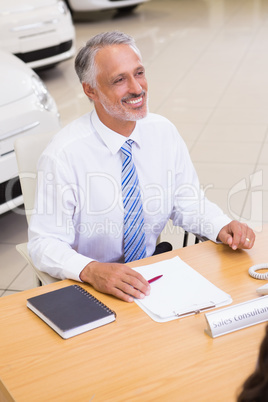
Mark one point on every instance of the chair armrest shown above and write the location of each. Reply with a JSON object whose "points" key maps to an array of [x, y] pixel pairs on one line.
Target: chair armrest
{"points": [[198, 239]]}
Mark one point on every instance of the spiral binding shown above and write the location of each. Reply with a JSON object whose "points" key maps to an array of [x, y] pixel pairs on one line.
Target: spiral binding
{"points": [[97, 301]]}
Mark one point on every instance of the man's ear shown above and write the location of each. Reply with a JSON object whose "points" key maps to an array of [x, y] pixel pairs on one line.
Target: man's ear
{"points": [[89, 91]]}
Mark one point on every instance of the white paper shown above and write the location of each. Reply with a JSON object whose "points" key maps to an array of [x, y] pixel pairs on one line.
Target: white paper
{"points": [[181, 290]]}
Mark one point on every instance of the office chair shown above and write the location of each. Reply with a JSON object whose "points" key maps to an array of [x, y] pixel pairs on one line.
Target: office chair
{"points": [[28, 148]]}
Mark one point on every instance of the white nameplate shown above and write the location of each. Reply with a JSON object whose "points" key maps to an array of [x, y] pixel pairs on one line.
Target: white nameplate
{"points": [[236, 317]]}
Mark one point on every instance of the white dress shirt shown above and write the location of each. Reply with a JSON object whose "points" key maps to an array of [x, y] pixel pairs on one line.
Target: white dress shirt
{"points": [[79, 209]]}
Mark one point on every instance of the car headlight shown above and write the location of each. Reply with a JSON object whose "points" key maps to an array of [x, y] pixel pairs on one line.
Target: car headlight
{"points": [[45, 100], [62, 7]]}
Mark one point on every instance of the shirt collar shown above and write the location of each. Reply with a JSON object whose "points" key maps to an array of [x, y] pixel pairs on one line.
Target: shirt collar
{"points": [[113, 140]]}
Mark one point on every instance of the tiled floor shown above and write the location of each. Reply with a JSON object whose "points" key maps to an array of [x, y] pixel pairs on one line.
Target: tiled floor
{"points": [[207, 64]]}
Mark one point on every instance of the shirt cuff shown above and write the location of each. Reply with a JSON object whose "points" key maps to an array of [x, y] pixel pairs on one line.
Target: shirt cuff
{"points": [[217, 224], [74, 266]]}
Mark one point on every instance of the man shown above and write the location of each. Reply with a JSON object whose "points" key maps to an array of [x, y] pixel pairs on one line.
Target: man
{"points": [[78, 231]]}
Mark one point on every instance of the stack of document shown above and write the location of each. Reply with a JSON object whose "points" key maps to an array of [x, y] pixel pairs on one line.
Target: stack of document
{"points": [[180, 291]]}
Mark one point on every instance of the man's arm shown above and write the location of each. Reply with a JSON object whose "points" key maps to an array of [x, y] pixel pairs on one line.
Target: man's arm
{"points": [[116, 279], [237, 235]]}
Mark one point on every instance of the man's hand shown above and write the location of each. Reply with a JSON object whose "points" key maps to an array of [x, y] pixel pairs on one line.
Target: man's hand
{"points": [[237, 235], [116, 279]]}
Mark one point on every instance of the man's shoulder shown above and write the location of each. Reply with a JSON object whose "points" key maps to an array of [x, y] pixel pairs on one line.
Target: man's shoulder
{"points": [[70, 135], [76, 128]]}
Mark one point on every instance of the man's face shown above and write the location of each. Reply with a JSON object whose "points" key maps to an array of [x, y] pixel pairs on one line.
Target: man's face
{"points": [[121, 91]]}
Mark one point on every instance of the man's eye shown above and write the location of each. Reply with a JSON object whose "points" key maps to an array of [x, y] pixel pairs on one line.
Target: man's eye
{"points": [[118, 80]]}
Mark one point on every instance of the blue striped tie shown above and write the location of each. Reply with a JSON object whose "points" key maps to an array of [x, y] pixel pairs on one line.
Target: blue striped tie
{"points": [[134, 237]]}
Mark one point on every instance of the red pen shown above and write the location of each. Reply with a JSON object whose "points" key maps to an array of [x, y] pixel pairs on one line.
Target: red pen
{"points": [[155, 278]]}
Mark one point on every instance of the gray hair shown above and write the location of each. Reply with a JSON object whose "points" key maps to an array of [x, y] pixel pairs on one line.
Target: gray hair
{"points": [[85, 66]]}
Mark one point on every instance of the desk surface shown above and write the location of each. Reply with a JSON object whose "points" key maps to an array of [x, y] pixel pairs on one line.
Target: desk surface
{"points": [[134, 358]]}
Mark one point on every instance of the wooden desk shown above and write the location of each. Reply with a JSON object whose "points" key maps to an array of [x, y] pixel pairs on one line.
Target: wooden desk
{"points": [[134, 358]]}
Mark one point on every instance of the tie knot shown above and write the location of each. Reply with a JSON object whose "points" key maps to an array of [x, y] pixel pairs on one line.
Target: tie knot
{"points": [[128, 144]]}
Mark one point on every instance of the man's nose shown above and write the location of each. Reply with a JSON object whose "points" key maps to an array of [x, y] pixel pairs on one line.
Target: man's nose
{"points": [[135, 86]]}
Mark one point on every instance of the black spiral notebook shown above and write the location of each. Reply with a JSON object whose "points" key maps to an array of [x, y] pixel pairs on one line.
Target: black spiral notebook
{"points": [[71, 310]]}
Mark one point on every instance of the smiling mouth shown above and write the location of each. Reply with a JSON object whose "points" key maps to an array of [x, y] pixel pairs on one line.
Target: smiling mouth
{"points": [[134, 101]]}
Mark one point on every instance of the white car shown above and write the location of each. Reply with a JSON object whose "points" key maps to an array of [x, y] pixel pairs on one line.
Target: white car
{"points": [[39, 32], [94, 5], [25, 107]]}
